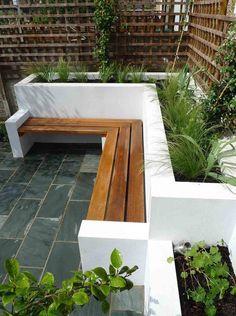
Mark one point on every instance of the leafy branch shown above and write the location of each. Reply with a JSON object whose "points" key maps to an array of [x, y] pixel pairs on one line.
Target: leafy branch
{"points": [[24, 295]]}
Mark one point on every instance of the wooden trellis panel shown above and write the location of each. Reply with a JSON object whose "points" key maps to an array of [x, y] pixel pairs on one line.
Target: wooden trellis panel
{"points": [[207, 30], [148, 32]]}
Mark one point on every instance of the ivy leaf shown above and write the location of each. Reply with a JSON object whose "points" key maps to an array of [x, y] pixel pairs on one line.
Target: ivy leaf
{"points": [[48, 280], [170, 259], [116, 259], [8, 298], [118, 282], [101, 273], [80, 298], [105, 307], [12, 267]]}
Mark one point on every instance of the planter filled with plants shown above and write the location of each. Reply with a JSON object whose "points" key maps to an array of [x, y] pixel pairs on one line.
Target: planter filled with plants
{"points": [[206, 279]]}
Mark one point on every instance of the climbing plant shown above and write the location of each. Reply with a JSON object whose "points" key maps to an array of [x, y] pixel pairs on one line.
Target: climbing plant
{"points": [[106, 17], [220, 103]]}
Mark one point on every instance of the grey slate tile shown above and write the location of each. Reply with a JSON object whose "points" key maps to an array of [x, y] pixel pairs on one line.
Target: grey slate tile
{"points": [[25, 171], [5, 175], [125, 313], [68, 172], [3, 218], [9, 195], [76, 211], [38, 242], [8, 249], [55, 201], [84, 186], [35, 271], [17, 223], [90, 163], [92, 309], [64, 259], [132, 300], [11, 163]]}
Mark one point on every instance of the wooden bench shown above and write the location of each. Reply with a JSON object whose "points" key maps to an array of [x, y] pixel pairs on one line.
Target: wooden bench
{"points": [[118, 193]]}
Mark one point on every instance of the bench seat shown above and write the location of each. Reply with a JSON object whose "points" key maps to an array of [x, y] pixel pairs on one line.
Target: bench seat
{"points": [[118, 193]]}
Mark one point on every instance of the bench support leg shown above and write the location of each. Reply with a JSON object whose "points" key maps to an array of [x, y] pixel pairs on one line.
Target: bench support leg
{"points": [[19, 145]]}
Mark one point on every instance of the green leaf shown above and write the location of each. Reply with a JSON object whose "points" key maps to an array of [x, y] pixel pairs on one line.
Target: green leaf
{"points": [[105, 307], [80, 298], [101, 273], [233, 291], [8, 298], [47, 280], [43, 313], [5, 288], [124, 269], [12, 267], [105, 289], [67, 284], [30, 276], [170, 259], [129, 284], [97, 293], [184, 275], [118, 282], [22, 282], [19, 305], [132, 270], [210, 310], [112, 270], [116, 259]]}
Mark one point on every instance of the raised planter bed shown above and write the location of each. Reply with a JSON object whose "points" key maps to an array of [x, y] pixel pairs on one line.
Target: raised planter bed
{"points": [[175, 211]]}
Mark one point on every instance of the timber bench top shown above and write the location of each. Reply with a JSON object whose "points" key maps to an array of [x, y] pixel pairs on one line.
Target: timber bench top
{"points": [[118, 193]]}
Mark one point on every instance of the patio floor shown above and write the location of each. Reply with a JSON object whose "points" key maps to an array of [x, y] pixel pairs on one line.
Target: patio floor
{"points": [[43, 199]]}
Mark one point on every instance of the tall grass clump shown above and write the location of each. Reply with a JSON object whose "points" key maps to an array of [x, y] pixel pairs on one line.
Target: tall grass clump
{"points": [[195, 150], [63, 70], [45, 72], [81, 73]]}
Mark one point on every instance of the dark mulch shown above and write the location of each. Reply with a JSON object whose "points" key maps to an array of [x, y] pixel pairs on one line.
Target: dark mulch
{"points": [[225, 307]]}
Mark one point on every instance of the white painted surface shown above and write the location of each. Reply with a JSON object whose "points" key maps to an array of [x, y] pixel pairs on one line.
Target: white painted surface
{"points": [[163, 287], [97, 239], [19, 145]]}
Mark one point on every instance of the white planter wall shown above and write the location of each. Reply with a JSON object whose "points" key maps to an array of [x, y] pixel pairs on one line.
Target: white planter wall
{"points": [[175, 211]]}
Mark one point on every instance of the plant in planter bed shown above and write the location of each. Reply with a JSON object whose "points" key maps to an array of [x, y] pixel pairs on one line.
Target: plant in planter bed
{"points": [[206, 280], [3, 133], [196, 151], [24, 295]]}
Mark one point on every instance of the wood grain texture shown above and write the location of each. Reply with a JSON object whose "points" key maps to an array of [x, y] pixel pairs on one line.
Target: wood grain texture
{"points": [[98, 203], [118, 190], [135, 197], [118, 193]]}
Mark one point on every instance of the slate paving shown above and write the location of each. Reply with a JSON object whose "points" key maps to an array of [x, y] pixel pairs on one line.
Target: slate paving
{"points": [[43, 200]]}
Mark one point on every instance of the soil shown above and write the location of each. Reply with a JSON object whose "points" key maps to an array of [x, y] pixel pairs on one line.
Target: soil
{"points": [[225, 307]]}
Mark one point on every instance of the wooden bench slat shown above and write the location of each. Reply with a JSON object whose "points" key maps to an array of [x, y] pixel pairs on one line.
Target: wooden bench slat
{"points": [[135, 197], [77, 122], [98, 203], [118, 188], [63, 129]]}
